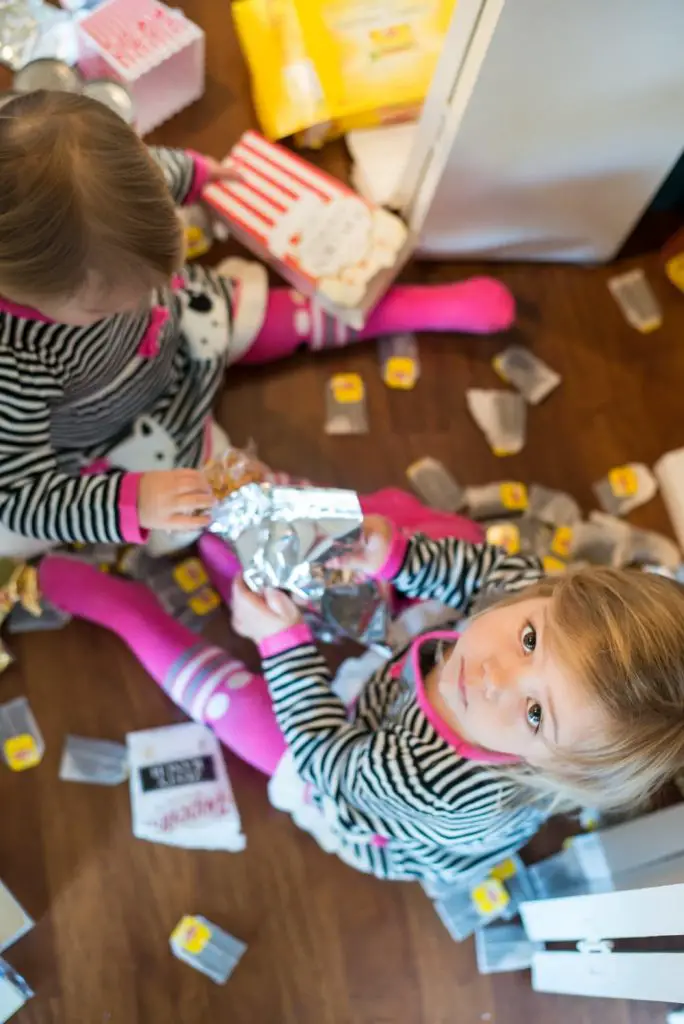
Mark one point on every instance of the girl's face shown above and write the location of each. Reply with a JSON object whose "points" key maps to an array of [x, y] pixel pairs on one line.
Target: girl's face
{"points": [[507, 691]]}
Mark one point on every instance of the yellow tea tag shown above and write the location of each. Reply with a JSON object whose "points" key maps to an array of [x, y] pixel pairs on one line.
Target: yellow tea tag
{"points": [[506, 869], [196, 242], [504, 535], [514, 496], [561, 543], [497, 364], [204, 601], [674, 268], [347, 388], [401, 372], [502, 453], [623, 482], [553, 566], [191, 935], [190, 575], [490, 897], [22, 752]]}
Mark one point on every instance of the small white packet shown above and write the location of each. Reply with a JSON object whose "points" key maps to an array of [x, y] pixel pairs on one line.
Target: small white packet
{"points": [[206, 947], [636, 300], [527, 373], [506, 498], [626, 488], [553, 507], [99, 762], [501, 416], [433, 482], [180, 791]]}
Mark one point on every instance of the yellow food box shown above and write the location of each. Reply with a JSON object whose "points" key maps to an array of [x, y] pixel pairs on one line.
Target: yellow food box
{"points": [[320, 68]]}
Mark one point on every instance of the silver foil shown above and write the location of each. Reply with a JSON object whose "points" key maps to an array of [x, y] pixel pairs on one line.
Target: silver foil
{"points": [[284, 536]]}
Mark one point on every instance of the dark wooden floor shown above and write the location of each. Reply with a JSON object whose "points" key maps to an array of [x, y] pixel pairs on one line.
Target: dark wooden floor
{"points": [[326, 945]]}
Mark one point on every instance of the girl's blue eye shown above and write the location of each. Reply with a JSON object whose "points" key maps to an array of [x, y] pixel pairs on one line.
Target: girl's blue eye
{"points": [[528, 638], [534, 715]]}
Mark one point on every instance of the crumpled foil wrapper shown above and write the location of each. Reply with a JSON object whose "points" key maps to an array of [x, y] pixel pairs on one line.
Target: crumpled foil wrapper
{"points": [[283, 537], [30, 29]]}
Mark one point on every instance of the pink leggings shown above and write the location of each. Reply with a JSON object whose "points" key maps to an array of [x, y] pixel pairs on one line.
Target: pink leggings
{"points": [[203, 680]]}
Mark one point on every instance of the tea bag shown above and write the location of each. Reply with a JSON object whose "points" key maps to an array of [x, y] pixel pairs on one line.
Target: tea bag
{"points": [[345, 405], [626, 488], [636, 300], [592, 542], [553, 507], [638, 547], [433, 482], [500, 499], [525, 535], [20, 737], [501, 417], [465, 908], [98, 762], [527, 373], [207, 948], [503, 947], [399, 361]]}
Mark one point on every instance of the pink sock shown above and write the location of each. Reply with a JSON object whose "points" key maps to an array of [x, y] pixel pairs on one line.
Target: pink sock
{"points": [[480, 305], [201, 679]]}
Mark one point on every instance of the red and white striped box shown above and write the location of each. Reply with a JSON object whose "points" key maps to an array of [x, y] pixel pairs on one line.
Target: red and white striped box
{"points": [[325, 240], [156, 52]]}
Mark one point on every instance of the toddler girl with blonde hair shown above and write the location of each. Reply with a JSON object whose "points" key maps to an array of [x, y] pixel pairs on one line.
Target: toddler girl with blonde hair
{"points": [[111, 350]]}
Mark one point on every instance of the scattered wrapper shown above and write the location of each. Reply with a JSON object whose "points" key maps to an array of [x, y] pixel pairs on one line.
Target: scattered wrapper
{"points": [[97, 762], [14, 990], [20, 736], [526, 535], [626, 488], [284, 536], [592, 542], [433, 482], [527, 373], [556, 508], [504, 947], [637, 300], [638, 547], [399, 361], [501, 416], [507, 498], [198, 231]]}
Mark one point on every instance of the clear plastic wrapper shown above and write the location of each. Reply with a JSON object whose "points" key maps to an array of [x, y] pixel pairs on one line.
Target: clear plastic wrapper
{"points": [[284, 536], [98, 762], [207, 948], [504, 947], [21, 739]]}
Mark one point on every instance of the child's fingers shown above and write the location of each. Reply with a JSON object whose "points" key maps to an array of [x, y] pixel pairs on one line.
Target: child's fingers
{"points": [[193, 502], [185, 522]]}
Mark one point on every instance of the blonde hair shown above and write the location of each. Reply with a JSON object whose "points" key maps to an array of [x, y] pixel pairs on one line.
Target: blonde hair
{"points": [[620, 634], [79, 193]]}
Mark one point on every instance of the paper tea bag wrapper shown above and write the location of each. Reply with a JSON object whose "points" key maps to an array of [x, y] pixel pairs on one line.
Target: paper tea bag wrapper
{"points": [[99, 762], [638, 547], [593, 543], [527, 373], [464, 908], [399, 361], [180, 792], [669, 471], [14, 921], [637, 300], [501, 417], [502, 947], [433, 482], [20, 737], [626, 488], [508, 498], [553, 507], [326, 240], [14, 991], [345, 405], [206, 947], [526, 535]]}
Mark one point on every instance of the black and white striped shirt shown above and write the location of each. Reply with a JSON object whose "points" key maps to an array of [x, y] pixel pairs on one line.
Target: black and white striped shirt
{"points": [[402, 802], [70, 395]]}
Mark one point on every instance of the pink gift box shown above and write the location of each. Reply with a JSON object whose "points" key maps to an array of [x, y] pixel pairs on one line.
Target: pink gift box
{"points": [[325, 239], [156, 52]]}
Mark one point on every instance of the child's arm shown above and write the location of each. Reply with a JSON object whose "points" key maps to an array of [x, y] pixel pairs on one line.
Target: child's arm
{"points": [[452, 571], [185, 171], [37, 498]]}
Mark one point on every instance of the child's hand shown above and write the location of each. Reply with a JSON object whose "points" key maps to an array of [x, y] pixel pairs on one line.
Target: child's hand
{"points": [[220, 172], [175, 499], [373, 548], [260, 616]]}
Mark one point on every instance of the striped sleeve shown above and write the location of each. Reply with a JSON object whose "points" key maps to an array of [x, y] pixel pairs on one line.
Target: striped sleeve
{"points": [[36, 498], [455, 571], [184, 171]]}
